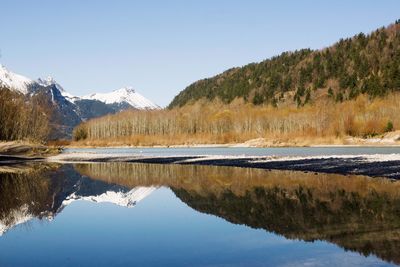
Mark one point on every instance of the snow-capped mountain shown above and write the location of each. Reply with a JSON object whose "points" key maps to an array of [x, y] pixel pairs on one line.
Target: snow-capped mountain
{"points": [[49, 81], [18, 216], [128, 199], [64, 186], [14, 81], [124, 95], [69, 110], [120, 198]]}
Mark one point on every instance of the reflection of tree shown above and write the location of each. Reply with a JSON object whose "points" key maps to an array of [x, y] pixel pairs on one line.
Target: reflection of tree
{"points": [[367, 224], [38, 191], [355, 212], [211, 179], [23, 192]]}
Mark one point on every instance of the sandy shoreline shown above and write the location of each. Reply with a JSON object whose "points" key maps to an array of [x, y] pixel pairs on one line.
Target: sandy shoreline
{"points": [[378, 165], [391, 139], [237, 145]]}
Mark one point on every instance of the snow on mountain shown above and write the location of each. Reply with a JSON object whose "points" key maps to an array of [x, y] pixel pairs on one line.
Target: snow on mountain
{"points": [[17, 216], [14, 81], [22, 84], [49, 81], [69, 110], [125, 199], [124, 95]]}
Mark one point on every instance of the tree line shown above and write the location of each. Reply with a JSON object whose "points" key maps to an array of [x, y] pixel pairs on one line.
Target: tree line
{"points": [[217, 122]]}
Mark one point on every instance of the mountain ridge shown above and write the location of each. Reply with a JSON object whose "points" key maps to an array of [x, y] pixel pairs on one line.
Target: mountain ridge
{"points": [[24, 85], [66, 110], [363, 64], [124, 94]]}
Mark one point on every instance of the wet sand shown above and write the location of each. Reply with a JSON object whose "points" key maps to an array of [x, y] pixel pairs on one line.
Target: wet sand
{"points": [[11, 160], [370, 165]]}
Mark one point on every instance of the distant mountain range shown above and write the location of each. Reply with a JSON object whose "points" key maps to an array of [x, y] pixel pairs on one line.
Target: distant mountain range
{"points": [[123, 198], [65, 187], [69, 110]]}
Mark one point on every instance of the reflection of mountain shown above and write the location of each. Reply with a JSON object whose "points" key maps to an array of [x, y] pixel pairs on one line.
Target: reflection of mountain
{"points": [[42, 192], [120, 197], [355, 212]]}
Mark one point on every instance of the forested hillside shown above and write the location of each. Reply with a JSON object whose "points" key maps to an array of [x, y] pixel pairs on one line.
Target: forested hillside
{"points": [[364, 64], [351, 89]]}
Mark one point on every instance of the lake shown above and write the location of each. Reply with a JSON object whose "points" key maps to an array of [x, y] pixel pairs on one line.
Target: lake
{"points": [[135, 214]]}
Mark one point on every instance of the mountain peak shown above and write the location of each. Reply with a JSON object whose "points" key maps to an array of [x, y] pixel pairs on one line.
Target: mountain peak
{"points": [[50, 81], [14, 81], [124, 95], [128, 89], [125, 199]]}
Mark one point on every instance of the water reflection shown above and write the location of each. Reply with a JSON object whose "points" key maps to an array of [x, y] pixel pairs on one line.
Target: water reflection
{"points": [[357, 213], [42, 191]]}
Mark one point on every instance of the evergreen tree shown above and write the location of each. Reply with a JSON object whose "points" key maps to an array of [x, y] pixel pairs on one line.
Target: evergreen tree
{"points": [[367, 64]]}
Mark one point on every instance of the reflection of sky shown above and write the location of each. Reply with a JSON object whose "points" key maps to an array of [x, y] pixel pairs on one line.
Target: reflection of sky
{"points": [[161, 231]]}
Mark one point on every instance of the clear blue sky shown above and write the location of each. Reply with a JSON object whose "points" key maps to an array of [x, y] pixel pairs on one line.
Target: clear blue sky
{"points": [[160, 47]]}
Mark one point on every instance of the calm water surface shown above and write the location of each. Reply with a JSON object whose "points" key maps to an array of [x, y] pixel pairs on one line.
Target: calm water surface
{"points": [[274, 151], [126, 214]]}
